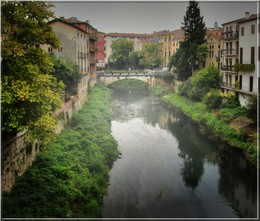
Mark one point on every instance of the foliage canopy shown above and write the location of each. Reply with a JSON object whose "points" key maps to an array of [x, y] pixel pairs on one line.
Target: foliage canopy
{"points": [[29, 91]]}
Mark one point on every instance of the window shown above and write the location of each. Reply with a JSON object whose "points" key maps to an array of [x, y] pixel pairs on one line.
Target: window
{"points": [[251, 83], [241, 56], [99, 57], [60, 49], [252, 29], [173, 44], [258, 53], [242, 31], [240, 81], [49, 49], [252, 55]]}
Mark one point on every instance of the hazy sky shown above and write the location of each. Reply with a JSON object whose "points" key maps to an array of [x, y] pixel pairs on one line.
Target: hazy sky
{"points": [[146, 17]]}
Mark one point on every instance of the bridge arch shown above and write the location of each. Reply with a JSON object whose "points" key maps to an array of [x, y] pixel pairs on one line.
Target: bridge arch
{"points": [[110, 78]]}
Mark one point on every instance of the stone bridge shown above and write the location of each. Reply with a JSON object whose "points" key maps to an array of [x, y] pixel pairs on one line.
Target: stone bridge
{"points": [[109, 78]]}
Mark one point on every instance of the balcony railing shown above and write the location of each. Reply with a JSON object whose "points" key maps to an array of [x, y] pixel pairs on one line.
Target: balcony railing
{"points": [[82, 55], [92, 61], [228, 68], [230, 35], [230, 52], [236, 87], [93, 37], [93, 49]]}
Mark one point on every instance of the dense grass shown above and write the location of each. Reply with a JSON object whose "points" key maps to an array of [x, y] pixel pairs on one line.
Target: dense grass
{"points": [[199, 113], [158, 90], [69, 178]]}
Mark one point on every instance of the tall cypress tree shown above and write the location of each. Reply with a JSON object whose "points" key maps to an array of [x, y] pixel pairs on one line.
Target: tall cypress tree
{"points": [[194, 31], [193, 25]]}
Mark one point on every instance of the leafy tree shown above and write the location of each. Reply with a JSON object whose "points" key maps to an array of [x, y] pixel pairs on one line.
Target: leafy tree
{"points": [[201, 83], [201, 55], [29, 92], [149, 56], [134, 60], [68, 73], [252, 109], [121, 50]]}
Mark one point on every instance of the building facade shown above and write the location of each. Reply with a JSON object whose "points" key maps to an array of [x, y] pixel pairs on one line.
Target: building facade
{"points": [[214, 41], [239, 72], [100, 51], [169, 43], [150, 39], [92, 32], [74, 47], [111, 37]]}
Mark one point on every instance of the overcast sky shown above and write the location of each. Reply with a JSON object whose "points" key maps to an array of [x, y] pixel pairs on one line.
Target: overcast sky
{"points": [[146, 17]]}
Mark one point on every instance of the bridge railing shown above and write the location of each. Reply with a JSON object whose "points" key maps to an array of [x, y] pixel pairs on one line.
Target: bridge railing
{"points": [[133, 73]]}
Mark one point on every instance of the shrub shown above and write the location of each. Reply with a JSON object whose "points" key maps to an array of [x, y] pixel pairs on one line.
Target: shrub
{"points": [[252, 108], [197, 86], [229, 101], [213, 99]]}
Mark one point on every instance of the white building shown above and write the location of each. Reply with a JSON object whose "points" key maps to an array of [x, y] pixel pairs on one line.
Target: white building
{"points": [[240, 47], [248, 56]]}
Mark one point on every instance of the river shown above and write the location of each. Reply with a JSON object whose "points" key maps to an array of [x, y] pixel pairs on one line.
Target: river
{"points": [[168, 169]]}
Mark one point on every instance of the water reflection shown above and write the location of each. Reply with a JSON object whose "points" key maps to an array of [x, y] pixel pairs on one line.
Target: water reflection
{"points": [[168, 169]]}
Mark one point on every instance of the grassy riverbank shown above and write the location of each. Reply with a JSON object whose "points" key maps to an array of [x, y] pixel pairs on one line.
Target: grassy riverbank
{"points": [[69, 178], [221, 130]]}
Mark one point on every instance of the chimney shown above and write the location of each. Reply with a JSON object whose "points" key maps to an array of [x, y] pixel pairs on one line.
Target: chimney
{"points": [[247, 15]]}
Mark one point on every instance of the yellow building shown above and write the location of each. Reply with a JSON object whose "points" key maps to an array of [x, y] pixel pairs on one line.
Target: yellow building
{"points": [[169, 43], [214, 41]]}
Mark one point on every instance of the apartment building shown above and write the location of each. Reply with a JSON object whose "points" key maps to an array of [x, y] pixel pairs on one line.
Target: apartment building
{"points": [[214, 41], [100, 50], [150, 39], [111, 37], [239, 72], [74, 47], [169, 43], [92, 32]]}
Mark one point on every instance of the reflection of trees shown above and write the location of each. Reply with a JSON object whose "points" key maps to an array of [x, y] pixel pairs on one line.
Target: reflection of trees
{"points": [[240, 188], [193, 149]]}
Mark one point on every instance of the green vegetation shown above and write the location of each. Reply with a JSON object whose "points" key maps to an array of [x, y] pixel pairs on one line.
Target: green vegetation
{"points": [[29, 90], [121, 50], [197, 86], [68, 73], [130, 86], [149, 56], [220, 128], [191, 53], [159, 90], [244, 67], [69, 178]]}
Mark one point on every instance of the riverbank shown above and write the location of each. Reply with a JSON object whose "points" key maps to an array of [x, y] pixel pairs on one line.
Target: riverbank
{"points": [[70, 177], [220, 129]]}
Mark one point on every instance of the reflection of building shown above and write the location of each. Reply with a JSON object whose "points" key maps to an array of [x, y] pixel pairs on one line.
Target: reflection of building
{"points": [[100, 53], [169, 43], [111, 37], [214, 41], [239, 189], [240, 47]]}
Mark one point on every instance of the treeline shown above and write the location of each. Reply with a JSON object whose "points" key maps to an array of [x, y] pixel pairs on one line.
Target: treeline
{"points": [[70, 177]]}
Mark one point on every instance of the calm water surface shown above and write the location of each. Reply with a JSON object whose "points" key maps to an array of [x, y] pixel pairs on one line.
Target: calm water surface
{"points": [[168, 169]]}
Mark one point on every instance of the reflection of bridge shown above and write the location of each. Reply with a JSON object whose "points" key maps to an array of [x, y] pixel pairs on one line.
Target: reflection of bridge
{"points": [[108, 78]]}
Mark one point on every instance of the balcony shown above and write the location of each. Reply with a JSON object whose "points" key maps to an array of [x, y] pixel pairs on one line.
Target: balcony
{"points": [[93, 49], [230, 69], [236, 87], [230, 52], [93, 37], [92, 61], [231, 35]]}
